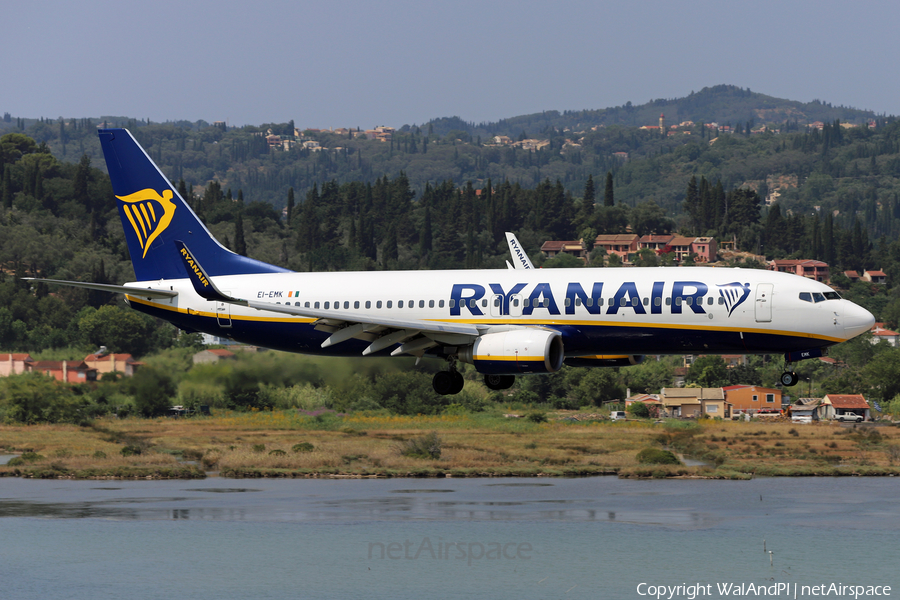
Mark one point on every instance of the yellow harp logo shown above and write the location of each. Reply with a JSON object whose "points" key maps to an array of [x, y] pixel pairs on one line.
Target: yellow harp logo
{"points": [[149, 214]]}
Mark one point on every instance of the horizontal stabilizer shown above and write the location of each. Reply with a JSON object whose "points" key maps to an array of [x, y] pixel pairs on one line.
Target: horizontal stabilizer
{"points": [[105, 287]]}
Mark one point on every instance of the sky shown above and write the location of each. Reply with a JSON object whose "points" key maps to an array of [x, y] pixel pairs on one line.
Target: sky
{"points": [[341, 63]]}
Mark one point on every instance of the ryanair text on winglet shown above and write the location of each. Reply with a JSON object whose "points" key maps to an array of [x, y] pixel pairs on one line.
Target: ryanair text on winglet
{"points": [[193, 264]]}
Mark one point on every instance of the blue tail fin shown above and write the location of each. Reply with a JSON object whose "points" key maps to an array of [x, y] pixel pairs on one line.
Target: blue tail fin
{"points": [[154, 215]]}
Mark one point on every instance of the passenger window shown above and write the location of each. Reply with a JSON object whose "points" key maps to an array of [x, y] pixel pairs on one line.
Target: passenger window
{"points": [[368, 304], [347, 304], [721, 300], [568, 301], [306, 305], [421, 304], [678, 301], [635, 301], [412, 303], [431, 304], [525, 302], [484, 303], [497, 302], [389, 304], [689, 300], [669, 301], [356, 304], [806, 296], [452, 303], [590, 302], [622, 301], [657, 301], [473, 303], [577, 301], [599, 302], [646, 301], [709, 301], [378, 304], [818, 297], [278, 303], [399, 304], [287, 303], [441, 304], [546, 303], [327, 305]]}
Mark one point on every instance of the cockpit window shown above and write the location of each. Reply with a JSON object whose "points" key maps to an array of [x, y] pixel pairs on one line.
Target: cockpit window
{"points": [[819, 296]]}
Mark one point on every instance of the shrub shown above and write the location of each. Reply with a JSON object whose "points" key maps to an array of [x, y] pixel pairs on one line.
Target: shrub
{"points": [[655, 456], [303, 447], [423, 446], [277, 452], [639, 410], [131, 450], [259, 447], [537, 417]]}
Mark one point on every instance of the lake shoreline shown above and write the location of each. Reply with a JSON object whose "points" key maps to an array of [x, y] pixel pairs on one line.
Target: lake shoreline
{"points": [[286, 444]]}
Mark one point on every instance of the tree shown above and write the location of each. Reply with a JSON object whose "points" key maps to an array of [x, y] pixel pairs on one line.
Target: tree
{"points": [[118, 329], [290, 205], [153, 391], [708, 371], [608, 198], [240, 246]]}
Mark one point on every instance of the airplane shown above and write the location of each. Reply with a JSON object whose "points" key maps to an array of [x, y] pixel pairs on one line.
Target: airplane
{"points": [[504, 322]]}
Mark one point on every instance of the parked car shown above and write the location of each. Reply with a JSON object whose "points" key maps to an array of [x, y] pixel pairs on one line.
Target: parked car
{"points": [[617, 415], [852, 417]]}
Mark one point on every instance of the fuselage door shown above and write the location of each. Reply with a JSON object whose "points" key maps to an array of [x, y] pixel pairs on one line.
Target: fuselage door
{"points": [[496, 305], [764, 302], [223, 312]]}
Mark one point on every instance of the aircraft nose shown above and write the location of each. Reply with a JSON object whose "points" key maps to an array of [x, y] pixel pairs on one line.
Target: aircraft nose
{"points": [[857, 320]]}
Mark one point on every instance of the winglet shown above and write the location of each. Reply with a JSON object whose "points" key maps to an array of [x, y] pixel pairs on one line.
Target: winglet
{"points": [[520, 259], [203, 285]]}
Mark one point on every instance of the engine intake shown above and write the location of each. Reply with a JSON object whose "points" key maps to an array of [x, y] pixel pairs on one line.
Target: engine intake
{"points": [[517, 351]]}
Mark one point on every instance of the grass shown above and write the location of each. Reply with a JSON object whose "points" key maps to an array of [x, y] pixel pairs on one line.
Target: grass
{"points": [[294, 444]]}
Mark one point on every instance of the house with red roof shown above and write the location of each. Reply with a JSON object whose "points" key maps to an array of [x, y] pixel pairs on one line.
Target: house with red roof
{"points": [[840, 404], [880, 332], [213, 356], [622, 244], [14, 364], [812, 269], [110, 362], [574, 247], [68, 371], [752, 398], [875, 277]]}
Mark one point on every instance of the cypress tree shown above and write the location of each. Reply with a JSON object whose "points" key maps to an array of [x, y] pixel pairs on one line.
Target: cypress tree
{"points": [[240, 246], [608, 197], [290, 205]]}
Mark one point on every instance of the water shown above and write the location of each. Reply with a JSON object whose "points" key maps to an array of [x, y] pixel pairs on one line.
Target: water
{"points": [[448, 538]]}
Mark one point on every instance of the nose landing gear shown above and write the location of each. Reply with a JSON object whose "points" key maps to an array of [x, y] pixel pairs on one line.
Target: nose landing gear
{"points": [[789, 378]]}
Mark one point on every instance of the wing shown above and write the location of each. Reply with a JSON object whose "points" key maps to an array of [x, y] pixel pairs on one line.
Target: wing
{"points": [[415, 336]]}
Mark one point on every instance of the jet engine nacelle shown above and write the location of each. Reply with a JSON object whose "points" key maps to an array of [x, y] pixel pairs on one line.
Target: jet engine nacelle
{"points": [[517, 351], [604, 360]]}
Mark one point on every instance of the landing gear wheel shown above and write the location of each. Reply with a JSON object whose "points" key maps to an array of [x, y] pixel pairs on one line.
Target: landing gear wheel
{"points": [[789, 378], [442, 382], [499, 382], [447, 383], [458, 382]]}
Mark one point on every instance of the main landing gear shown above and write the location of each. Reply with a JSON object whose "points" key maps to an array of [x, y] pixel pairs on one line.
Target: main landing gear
{"points": [[499, 382], [449, 382]]}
